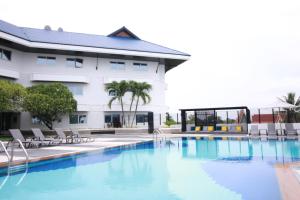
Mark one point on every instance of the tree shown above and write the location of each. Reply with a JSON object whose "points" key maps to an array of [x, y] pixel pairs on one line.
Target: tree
{"points": [[142, 90], [120, 88], [291, 99], [190, 119], [132, 87], [11, 96], [169, 120], [49, 102]]}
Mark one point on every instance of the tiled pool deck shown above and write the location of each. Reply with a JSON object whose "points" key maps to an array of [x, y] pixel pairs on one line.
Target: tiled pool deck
{"points": [[288, 174]]}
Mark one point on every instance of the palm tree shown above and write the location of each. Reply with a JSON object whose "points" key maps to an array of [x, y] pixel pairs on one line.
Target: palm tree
{"points": [[120, 88], [141, 92], [132, 87], [291, 99]]}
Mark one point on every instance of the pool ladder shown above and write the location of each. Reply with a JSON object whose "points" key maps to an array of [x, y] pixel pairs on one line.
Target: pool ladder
{"points": [[14, 168], [156, 133], [10, 157]]}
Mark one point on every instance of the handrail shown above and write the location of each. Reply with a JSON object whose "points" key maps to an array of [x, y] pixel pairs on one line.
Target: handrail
{"points": [[5, 150], [157, 131], [22, 147]]}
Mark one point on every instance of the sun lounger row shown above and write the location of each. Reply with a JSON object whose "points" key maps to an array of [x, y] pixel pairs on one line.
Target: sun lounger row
{"points": [[223, 128], [40, 139], [272, 131]]}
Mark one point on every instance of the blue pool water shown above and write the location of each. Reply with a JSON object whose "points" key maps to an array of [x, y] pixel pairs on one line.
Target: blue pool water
{"points": [[187, 169]]}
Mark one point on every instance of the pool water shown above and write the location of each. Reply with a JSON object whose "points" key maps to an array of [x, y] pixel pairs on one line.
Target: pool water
{"points": [[184, 168]]}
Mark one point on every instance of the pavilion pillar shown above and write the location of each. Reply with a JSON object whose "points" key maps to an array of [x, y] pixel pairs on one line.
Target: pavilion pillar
{"points": [[183, 121]]}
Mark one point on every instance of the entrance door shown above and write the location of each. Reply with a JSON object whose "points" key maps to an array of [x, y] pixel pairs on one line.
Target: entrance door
{"points": [[116, 121]]}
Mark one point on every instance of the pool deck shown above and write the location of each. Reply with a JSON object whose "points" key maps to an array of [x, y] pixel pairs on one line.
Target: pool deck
{"points": [[288, 175]]}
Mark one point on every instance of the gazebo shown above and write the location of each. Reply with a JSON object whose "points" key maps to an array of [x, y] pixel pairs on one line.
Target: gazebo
{"points": [[211, 117]]}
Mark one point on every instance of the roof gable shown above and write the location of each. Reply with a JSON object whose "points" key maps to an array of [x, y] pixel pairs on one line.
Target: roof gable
{"points": [[124, 32]]}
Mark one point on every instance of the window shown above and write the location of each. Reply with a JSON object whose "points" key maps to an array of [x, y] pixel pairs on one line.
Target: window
{"points": [[112, 93], [117, 65], [107, 119], [76, 89], [5, 54], [141, 118], [77, 119], [46, 60], [75, 62], [140, 66], [36, 121]]}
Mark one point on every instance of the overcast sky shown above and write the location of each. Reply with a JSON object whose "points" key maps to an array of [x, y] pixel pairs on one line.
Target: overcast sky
{"points": [[243, 52]]}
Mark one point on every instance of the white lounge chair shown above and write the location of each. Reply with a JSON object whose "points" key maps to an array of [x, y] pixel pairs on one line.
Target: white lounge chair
{"points": [[17, 135], [254, 131], [62, 136], [40, 136], [271, 131], [290, 130], [80, 138]]}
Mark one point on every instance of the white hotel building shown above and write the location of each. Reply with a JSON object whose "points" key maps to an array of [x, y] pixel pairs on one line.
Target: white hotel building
{"points": [[85, 63]]}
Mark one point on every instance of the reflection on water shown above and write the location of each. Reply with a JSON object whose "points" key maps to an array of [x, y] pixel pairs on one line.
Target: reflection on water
{"points": [[180, 169], [235, 150]]}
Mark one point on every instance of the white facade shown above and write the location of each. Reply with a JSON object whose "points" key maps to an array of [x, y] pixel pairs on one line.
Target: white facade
{"points": [[87, 81]]}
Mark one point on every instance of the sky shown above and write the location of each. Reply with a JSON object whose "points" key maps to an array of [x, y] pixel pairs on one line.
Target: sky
{"points": [[242, 52]]}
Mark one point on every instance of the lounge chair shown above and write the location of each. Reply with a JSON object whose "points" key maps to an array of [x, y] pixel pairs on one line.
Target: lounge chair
{"points": [[290, 130], [224, 128], [40, 136], [80, 138], [238, 128], [63, 137], [271, 131], [231, 129], [210, 128], [17, 135], [204, 128], [197, 128], [254, 131]]}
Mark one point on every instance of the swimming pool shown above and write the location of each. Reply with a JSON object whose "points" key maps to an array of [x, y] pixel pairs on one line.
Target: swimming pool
{"points": [[184, 168]]}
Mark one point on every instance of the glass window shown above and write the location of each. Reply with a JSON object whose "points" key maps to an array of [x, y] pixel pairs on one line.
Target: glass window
{"points": [[35, 120], [5, 54], [112, 93], [78, 119], [51, 60], [140, 66], [45, 60], [75, 62], [140, 119], [82, 119], [117, 65], [76, 89], [107, 119], [41, 60], [73, 119]]}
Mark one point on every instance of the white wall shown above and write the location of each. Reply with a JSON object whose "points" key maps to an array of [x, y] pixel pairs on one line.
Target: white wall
{"points": [[94, 99]]}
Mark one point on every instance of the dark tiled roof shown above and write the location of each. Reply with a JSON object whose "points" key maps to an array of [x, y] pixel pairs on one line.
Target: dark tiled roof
{"points": [[86, 40]]}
